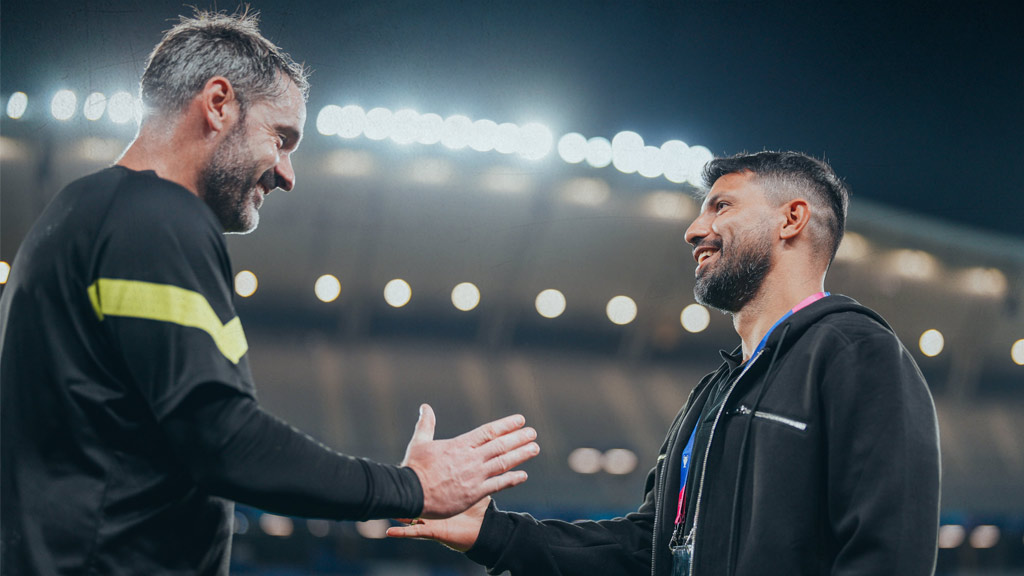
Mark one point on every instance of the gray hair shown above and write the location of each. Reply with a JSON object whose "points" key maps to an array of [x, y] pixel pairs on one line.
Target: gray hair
{"points": [[217, 44]]}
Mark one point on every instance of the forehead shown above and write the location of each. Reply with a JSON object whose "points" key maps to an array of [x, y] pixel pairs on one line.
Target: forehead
{"points": [[736, 186]]}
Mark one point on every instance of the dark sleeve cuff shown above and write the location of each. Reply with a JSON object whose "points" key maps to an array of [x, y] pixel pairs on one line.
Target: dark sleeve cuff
{"points": [[495, 534], [405, 500]]}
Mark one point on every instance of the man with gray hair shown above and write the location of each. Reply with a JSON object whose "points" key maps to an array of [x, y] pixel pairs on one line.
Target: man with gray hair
{"points": [[129, 416], [811, 451]]}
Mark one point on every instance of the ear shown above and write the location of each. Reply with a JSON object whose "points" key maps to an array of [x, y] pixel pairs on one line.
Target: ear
{"points": [[219, 104], [797, 214]]}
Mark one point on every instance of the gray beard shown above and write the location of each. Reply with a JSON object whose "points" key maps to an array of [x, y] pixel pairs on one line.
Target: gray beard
{"points": [[228, 182], [737, 278]]}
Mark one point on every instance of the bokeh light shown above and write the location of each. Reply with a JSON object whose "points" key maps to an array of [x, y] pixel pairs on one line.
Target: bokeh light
{"points": [[1016, 352], [246, 283], [572, 148], [695, 318], [621, 310], [327, 288], [931, 342], [585, 461], [397, 293], [63, 105], [121, 107], [351, 121], [550, 303], [95, 105], [17, 105], [465, 296]]}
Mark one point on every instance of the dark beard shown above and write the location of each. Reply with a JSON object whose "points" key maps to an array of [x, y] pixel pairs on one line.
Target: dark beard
{"points": [[228, 183], [738, 276]]}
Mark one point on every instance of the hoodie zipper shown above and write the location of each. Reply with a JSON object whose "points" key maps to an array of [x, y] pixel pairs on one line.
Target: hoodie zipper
{"points": [[742, 409], [660, 489], [704, 465]]}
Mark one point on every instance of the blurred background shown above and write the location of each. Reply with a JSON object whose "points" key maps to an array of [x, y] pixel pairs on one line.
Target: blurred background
{"points": [[489, 217]]}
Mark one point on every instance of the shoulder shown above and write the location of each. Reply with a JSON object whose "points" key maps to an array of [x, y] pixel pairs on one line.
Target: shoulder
{"points": [[145, 196]]}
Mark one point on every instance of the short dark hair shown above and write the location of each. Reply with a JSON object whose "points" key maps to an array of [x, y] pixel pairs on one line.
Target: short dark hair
{"points": [[217, 44], [786, 175]]}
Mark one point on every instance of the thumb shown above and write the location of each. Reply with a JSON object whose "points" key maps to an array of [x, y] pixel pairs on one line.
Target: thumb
{"points": [[425, 425]]}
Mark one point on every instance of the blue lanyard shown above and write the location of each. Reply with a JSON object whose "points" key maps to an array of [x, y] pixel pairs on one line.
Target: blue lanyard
{"points": [[684, 465]]}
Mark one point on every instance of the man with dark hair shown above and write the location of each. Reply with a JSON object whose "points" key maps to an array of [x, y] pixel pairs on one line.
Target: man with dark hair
{"points": [[129, 416], [812, 450]]}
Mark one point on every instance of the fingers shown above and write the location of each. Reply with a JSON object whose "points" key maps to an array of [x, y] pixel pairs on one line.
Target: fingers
{"points": [[506, 480], [492, 430], [411, 531], [509, 460], [424, 431], [506, 443]]}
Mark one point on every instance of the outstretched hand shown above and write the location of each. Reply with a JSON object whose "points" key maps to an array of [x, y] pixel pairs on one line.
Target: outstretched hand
{"points": [[458, 532], [459, 472]]}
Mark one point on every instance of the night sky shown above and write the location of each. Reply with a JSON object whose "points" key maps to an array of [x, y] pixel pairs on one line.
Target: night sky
{"points": [[919, 106]]}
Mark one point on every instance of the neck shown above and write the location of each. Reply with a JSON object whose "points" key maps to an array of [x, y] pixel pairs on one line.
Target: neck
{"points": [[162, 146], [772, 302]]}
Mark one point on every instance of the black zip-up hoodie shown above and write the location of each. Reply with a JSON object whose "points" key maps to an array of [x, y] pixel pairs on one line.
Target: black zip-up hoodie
{"points": [[825, 460]]}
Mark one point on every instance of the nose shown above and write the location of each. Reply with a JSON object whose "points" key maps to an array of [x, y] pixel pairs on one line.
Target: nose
{"points": [[284, 173], [699, 229]]}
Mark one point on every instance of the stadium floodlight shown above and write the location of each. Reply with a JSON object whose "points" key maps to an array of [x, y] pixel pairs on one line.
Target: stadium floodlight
{"points": [[676, 161], [352, 121], [120, 107], [535, 141], [466, 296], [627, 151], [379, 123], [456, 132], [652, 162], [572, 148], [397, 293], [931, 342], [63, 105], [621, 310], [599, 152], [327, 288], [695, 318], [506, 140], [406, 127], [95, 105], [550, 303], [328, 121], [430, 128], [16, 105], [484, 136]]}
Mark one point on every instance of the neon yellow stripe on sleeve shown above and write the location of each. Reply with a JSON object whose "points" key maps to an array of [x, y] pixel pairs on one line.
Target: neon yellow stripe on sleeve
{"points": [[166, 303]]}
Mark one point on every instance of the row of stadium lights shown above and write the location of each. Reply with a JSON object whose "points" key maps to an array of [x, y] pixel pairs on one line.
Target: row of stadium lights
{"points": [[465, 296], [551, 303], [674, 160], [626, 151]]}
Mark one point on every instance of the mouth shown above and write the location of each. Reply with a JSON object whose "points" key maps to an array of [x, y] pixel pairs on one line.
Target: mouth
{"points": [[702, 255]]}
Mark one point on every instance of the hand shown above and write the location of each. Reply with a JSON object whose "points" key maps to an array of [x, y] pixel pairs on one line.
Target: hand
{"points": [[458, 532], [458, 472]]}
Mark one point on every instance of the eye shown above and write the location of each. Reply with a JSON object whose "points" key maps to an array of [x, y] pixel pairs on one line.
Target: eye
{"points": [[720, 205]]}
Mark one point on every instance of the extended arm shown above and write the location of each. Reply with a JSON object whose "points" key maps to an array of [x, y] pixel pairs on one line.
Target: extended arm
{"points": [[235, 449]]}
